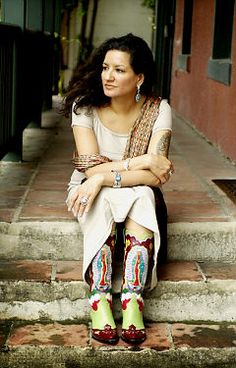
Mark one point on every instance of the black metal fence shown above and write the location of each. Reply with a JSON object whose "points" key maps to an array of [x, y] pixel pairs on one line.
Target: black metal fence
{"points": [[28, 61]]}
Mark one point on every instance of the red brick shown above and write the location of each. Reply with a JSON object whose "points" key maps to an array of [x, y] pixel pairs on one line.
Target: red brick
{"points": [[157, 338], [6, 215], [196, 209], [26, 270], [177, 184], [208, 336], [180, 212], [51, 176], [69, 271], [49, 185], [54, 334], [14, 175], [45, 211], [46, 196], [179, 271], [186, 197], [219, 271], [6, 203], [57, 168], [12, 192], [173, 219]]}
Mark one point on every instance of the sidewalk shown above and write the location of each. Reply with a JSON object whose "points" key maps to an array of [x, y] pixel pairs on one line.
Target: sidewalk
{"points": [[36, 188]]}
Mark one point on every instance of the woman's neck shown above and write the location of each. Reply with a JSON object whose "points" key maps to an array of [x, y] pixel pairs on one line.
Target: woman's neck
{"points": [[123, 105]]}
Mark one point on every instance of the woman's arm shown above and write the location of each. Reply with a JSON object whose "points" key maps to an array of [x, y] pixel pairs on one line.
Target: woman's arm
{"points": [[92, 186], [86, 144], [141, 171], [160, 143], [158, 152], [85, 140]]}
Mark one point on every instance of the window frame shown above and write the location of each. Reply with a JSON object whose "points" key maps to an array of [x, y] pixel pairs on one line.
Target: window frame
{"points": [[219, 65], [183, 59]]}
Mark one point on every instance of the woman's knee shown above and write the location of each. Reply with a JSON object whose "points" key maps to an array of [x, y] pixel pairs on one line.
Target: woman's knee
{"points": [[133, 226]]}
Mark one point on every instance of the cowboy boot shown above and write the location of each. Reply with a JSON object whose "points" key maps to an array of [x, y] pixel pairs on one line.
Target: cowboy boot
{"points": [[136, 261], [103, 324]]}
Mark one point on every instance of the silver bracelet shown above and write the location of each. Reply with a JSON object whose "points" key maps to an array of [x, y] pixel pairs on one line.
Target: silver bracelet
{"points": [[126, 164], [117, 181]]}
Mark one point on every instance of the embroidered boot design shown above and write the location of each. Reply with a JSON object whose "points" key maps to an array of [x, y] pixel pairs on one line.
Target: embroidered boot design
{"points": [[103, 324], [137, 255]]}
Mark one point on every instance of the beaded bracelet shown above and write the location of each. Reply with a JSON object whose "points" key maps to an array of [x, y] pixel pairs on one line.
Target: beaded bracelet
{"points": [[117, 181]]}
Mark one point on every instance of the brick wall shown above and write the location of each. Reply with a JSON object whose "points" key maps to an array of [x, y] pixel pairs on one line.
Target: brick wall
{"points": [[208, 104]]}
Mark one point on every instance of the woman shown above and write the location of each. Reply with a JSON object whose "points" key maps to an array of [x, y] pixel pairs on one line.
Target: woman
{"points": [[122, 135]]}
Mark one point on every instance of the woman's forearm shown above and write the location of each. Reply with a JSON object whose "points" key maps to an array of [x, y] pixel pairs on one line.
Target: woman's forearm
{"points": [[131, 178], [133, 164]]}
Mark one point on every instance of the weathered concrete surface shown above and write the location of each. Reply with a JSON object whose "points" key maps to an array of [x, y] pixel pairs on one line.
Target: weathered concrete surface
{"points": [[203, 301], [170, 301], [53, 357], [202, 241], [40, 240], [63, 240]]}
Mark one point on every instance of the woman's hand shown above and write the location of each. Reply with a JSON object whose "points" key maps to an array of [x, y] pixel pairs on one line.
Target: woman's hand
{"points": [[81, 201], [159, 165]]}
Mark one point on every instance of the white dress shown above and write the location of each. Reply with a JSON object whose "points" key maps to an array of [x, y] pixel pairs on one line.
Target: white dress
{"points": [[116, 204]]}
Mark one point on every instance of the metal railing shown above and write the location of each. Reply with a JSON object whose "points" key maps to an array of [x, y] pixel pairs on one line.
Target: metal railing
{"points": [[27, 64], [9, 39]]}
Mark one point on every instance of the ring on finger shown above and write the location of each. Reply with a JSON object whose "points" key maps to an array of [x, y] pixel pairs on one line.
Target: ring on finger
{"points": [[83, 201]]}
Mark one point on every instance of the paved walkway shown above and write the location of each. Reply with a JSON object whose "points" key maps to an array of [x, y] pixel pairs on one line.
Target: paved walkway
{"points": [[36, 188]]}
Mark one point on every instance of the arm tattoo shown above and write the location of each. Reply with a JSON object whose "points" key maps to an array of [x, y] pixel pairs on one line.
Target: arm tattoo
{"points": [[163, 144]]}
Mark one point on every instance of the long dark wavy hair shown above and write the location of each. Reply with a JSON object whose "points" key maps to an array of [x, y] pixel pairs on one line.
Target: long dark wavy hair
{"points": [[85, 87]]}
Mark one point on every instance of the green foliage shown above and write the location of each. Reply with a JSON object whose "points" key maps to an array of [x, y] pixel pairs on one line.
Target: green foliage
{"points": [[149, 3]]}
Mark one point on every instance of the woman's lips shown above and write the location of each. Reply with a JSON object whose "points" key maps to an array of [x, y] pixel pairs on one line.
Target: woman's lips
{"points": [[109, 86]]}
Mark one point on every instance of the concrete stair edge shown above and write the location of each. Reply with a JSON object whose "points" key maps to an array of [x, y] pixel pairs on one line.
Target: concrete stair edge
{"points": [[171, 301], [63, 240], [106, 357]]}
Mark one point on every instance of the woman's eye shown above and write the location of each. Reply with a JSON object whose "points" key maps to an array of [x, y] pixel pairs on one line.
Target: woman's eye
{"points": [[104, 67], [120, 70]]}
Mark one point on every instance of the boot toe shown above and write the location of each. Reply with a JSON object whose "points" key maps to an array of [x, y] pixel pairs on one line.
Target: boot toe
{"points": [[108, 335], [133, 336]]}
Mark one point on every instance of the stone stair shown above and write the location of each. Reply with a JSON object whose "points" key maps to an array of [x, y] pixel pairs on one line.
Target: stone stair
{"points": [[54, 291], [176, 345], [204, 241], [190, 316]]}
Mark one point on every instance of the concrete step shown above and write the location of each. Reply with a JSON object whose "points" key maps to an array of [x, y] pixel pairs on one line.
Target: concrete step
{"points": [[62, 240], [56, 345], [187, 291]]}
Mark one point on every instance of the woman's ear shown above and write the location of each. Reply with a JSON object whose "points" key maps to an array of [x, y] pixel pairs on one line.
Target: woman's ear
{"points": [[140, 79]]}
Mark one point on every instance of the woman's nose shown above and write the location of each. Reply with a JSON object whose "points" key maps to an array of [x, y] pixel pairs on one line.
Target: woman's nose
{"points": [[109, 75]]}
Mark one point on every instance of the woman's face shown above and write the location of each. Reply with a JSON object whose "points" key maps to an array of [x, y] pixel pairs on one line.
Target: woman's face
{"points": [[118, 77]]}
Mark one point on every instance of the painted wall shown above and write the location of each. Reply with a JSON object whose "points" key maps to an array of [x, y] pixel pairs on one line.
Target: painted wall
{"points": [[114, 18], [207, 104]]}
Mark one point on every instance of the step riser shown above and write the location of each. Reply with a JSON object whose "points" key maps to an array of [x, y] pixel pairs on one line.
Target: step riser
{"points": [[63, 241], [68, 357], [41, 240], [202, 241], [213, 301]]}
